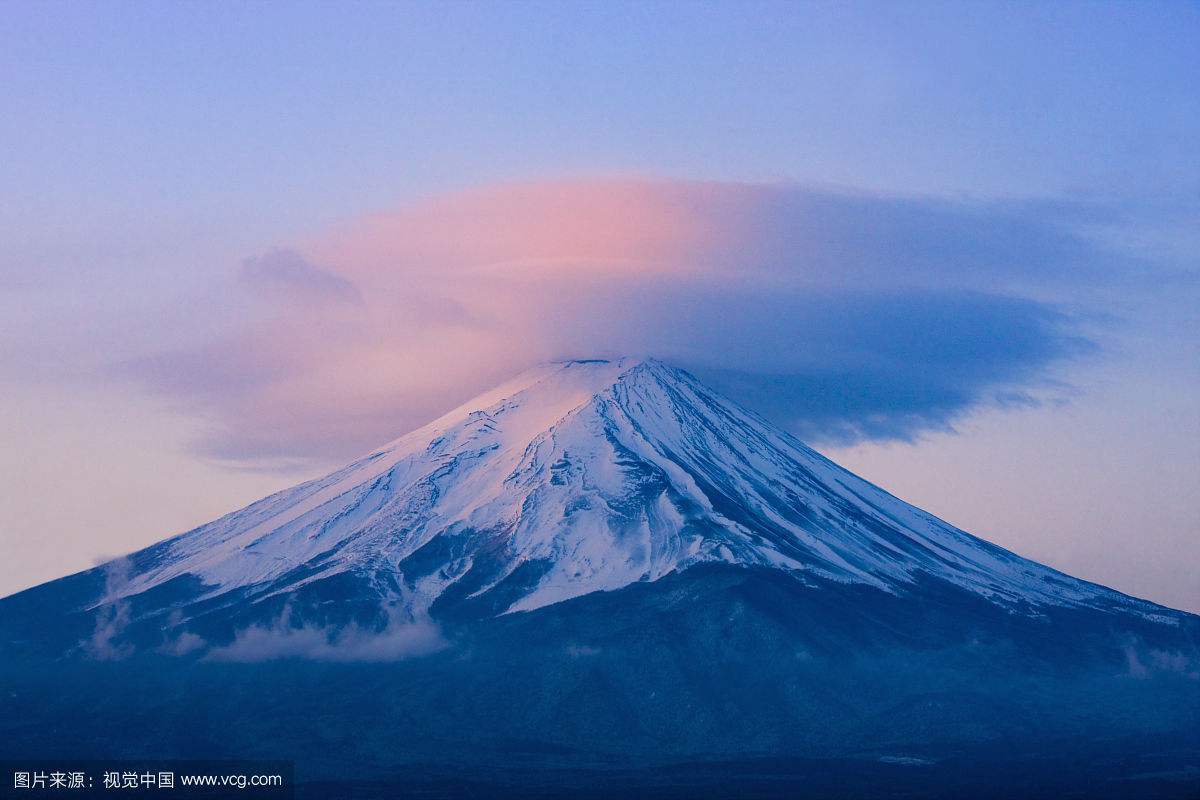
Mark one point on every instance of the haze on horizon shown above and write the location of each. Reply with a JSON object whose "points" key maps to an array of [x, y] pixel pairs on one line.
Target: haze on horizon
{"points": [[239, 250]]}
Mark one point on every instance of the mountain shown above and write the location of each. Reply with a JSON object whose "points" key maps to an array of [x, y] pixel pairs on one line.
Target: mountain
{"points": [[606, 563]]}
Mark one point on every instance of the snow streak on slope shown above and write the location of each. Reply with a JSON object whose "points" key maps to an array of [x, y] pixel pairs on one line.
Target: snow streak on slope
{"points": [[585, 476]]}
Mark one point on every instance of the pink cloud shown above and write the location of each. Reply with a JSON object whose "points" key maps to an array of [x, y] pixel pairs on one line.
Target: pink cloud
{"points": [[375, 327], [537, 229]]}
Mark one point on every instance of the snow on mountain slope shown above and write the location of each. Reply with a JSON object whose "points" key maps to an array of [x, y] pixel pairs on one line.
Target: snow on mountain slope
{"points": [[586, 476]]}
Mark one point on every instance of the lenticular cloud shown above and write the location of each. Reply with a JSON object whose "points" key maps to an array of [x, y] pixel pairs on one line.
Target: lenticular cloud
{"points": [[867, 317]]}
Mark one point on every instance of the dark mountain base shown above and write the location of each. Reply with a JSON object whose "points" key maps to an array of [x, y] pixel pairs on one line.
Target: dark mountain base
{"points": [[719, 681], [1097, 775]]}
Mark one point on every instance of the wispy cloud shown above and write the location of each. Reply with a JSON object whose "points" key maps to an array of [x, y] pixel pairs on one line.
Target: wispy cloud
{"points": [[285, 274], [398, 640], [112, 614], [867, 316]]}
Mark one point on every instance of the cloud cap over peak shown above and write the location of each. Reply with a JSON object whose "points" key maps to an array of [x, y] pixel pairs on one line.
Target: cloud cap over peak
{"points": [[840, 315]]}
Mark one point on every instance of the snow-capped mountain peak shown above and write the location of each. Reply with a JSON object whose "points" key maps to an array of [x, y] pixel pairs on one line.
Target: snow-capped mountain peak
{"points": [[584, 476]]}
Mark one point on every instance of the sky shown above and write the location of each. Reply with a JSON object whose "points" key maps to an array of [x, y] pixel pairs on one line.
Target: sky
{"points": [[953, 246]]}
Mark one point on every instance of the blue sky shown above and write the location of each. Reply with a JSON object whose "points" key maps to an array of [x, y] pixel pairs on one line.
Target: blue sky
{"points": [[998, 201]]}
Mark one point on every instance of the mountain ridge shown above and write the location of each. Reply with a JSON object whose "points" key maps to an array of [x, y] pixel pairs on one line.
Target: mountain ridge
{"points": [[580, 476]]}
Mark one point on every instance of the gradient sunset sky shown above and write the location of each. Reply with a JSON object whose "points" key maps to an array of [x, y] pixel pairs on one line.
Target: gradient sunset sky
{"points": [[953, 246]]}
